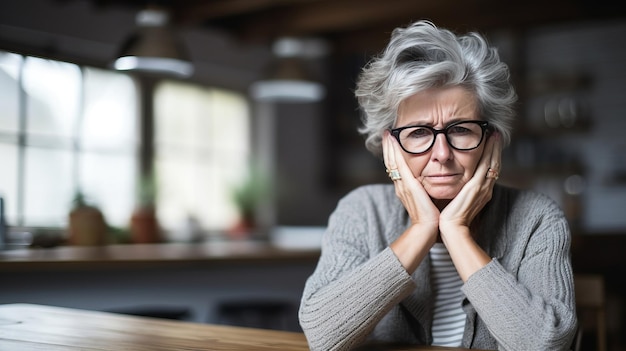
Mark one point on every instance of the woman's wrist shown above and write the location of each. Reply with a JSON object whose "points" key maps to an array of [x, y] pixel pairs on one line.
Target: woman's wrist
{"points": [[413, 245], [467, 255]]}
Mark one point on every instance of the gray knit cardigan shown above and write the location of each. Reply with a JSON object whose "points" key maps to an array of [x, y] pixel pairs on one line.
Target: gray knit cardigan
{"points": [[522, 300]]}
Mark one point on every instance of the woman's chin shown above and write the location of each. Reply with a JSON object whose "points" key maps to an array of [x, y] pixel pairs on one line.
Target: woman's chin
{"points": [[443, 194]]}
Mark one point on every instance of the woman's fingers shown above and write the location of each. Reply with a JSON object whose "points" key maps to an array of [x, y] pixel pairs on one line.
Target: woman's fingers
{"points": [[478, 190], [408, 189], [495, 156], [486, 160], [397, 169], [389, 154]]}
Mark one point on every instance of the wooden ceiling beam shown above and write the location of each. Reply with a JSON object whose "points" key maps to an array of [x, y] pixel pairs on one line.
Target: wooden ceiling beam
{"points": [[200, 12], [335, 16], [352, 22]]}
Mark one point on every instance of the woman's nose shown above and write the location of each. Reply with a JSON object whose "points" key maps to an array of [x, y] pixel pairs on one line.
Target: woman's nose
{"points": [[441, 149]]}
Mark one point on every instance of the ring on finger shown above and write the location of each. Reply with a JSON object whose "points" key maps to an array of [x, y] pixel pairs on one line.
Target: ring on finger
{"points": [[394, 174], [492, 174]]}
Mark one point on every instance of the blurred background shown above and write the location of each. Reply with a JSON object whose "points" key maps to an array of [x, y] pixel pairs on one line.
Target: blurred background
{"points": [[232, 118], [188, 141]]}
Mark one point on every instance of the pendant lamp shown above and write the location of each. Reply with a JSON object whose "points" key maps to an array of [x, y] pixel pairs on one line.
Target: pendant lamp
{"points": [[154, 47], [288, 79]]}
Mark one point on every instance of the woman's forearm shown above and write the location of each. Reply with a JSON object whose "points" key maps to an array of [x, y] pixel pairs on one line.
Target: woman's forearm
{"points": [[341, 314]]}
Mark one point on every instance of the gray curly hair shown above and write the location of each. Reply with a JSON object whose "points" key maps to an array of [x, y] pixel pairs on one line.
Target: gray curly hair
{"points": [[422, 56]]}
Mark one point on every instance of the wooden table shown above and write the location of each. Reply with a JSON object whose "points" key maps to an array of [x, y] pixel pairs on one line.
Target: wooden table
{"points": [[38, 327], [192, 278]]}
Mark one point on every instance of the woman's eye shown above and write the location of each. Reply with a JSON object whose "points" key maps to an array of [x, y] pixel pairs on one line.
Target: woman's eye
{"points": [[419, 133], [458, 130]]}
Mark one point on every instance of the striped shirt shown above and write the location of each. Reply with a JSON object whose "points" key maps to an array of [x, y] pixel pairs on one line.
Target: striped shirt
{"points": [[449, 317]]}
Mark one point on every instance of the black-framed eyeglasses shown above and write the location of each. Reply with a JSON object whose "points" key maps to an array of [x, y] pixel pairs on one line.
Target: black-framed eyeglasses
{"points": [[461, 135]]}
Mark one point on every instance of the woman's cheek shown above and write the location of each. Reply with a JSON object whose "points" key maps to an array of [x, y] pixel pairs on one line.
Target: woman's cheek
{"points": [[417, 165], [475, 162]]}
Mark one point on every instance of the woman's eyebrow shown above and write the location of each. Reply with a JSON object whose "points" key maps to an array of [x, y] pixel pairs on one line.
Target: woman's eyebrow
{"points": [[430, 124]]}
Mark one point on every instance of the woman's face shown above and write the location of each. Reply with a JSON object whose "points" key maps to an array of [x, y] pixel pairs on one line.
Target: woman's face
{"points": [[442, 170]]}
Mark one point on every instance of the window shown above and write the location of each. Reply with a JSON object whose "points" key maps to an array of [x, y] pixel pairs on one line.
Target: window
{"points": [[65, 128], [202, 147]]}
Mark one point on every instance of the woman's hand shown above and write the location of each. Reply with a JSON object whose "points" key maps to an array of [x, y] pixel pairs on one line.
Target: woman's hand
{"points": [[475, 194], [409, 190], [455, 219], [413, 245]]}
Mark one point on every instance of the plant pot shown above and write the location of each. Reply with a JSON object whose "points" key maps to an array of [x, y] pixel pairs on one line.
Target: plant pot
{"points": [[144, 226], [87, 227]]}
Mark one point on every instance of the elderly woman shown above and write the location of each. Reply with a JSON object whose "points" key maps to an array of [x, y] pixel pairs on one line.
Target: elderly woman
{"points": [[444, 256]]}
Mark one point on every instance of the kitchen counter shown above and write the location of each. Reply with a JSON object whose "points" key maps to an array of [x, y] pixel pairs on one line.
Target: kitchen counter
{"points": [[152, 255]]}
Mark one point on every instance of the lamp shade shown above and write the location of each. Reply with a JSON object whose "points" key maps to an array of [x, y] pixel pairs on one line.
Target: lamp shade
{"points": [[288, 79], [154, 47], [287, 91]]}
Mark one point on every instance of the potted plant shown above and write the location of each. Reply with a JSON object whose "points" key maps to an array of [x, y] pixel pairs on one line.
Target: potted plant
{"points": [[87, 225], [144, 224], [247, 196]]}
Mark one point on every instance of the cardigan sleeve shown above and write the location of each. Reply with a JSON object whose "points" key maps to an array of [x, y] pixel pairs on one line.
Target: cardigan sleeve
{"points": [[354, 285], [531, 306]]}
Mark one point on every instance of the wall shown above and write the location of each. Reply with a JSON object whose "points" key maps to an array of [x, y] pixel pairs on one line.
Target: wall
{"points": [[304, 197], [595, 54]]}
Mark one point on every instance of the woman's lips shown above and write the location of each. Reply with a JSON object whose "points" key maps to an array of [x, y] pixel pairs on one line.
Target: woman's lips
{"points": [[442, 178]]}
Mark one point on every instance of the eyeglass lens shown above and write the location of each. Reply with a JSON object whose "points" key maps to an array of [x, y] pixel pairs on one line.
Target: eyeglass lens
{"points": [[462, 136]]}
